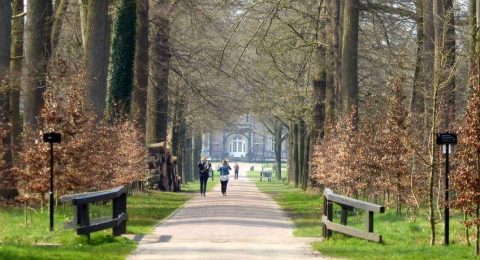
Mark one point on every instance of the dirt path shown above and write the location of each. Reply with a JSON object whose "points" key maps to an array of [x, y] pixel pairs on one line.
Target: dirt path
{"points": [[245, 224]]}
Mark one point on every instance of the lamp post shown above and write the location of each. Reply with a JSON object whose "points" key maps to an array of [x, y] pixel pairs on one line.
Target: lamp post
{"points": [[447, 141], [51, 138]]}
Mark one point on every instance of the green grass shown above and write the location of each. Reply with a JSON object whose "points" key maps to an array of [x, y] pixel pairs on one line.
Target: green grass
{"points": [[403, 238], [37, 242]]}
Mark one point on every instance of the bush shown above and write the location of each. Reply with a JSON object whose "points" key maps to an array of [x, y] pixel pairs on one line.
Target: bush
{"points": [[93, 155]]}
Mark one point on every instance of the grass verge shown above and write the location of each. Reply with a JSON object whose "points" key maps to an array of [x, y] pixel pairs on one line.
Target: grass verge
{"points": [[36, 241], [404, 238]]}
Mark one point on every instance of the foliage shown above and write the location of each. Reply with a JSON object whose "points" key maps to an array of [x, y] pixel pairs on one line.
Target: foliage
{"points": [[466, 175], [93, 155], [371, 161]]}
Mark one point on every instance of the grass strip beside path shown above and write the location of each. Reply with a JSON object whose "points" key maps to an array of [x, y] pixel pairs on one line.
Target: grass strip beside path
{"points": [[404, 238], [145, 210]]}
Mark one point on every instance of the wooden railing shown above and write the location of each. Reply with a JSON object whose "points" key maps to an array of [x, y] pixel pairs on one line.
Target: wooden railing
{"points": [[347, 204], [81, 215]]}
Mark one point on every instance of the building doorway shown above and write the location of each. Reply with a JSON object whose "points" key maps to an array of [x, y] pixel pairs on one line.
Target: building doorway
{"points": [[237, 146]]}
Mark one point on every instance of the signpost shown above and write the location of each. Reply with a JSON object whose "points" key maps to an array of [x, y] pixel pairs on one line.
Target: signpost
{"points": [[447, 141], [51, 138]]}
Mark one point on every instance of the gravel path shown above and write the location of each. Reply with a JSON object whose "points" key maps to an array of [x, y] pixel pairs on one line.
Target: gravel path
{"points": [[245, 224]]}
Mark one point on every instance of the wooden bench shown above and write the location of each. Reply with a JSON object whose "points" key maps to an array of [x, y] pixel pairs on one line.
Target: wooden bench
{"points": [[347, 204], [81, 215]]}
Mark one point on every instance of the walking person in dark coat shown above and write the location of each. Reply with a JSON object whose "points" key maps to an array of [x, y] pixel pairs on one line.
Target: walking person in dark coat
{"points": [[203, 170], [224, 173], [236, 168]]}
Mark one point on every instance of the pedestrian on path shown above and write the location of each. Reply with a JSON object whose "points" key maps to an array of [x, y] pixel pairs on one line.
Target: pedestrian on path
{"points": [[204, 169], [224, 173], [237, 168]]}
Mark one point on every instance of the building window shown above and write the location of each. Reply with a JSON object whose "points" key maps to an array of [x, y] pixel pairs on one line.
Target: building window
{"points": [[237, 145]]}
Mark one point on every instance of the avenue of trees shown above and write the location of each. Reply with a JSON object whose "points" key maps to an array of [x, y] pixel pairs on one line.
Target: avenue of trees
{"points": [[357, 88]]}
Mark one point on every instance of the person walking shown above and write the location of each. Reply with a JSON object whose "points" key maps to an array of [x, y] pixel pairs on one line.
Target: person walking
{"points": [[203, 170], [236, 168], [224, 173]]}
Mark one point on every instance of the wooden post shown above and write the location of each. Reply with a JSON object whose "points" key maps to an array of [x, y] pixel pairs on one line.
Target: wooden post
{"points": [[324, 227], [119, 207], [329, 216], [83, 217], [343, 219], [369, 221]]}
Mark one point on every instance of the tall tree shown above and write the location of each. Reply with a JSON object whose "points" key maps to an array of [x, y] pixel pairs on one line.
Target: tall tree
{"points": [[5, 53], [444, 75], [159, 67], [428, 52], [333, 54], [16, 71], [139, 104], [418, 90], [38, 50], [96, 54], [6, 35], [60, 9], [122, 53], [349, 77]]}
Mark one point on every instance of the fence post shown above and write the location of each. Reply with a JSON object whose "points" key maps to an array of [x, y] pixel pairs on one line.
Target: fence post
{"points": [[329, 216], [369, 221], [120, 206], [343, 219], [83, 217], [325, 201]]}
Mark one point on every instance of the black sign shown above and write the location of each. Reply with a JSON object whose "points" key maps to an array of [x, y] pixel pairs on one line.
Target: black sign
{"points": [[52, 137], [446, 138]]}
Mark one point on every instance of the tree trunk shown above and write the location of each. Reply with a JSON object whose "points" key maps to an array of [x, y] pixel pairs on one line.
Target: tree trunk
{"points": [[295, 162], [349, 78], [15, 81], [306, 160], [445, 61], [6, 36], [187, 154], [432, 163], [332, 57], [196, 152], [428, 54], [38, 50], [157, 105], [417, 99], [179, 128], [60, 9], [319, 91], [472, 39], [122, 53], [83, 10], [5, 53], [278, 139], [139, 104], [291, 152], [96, 54]]}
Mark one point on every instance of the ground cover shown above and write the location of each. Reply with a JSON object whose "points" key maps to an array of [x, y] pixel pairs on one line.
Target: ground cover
{"points": [[37, 242], [404, 237]]}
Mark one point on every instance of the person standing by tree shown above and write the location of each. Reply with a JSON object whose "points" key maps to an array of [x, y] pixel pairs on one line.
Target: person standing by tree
{"points": [[224, 173], [236, 168], [204, 170]]}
